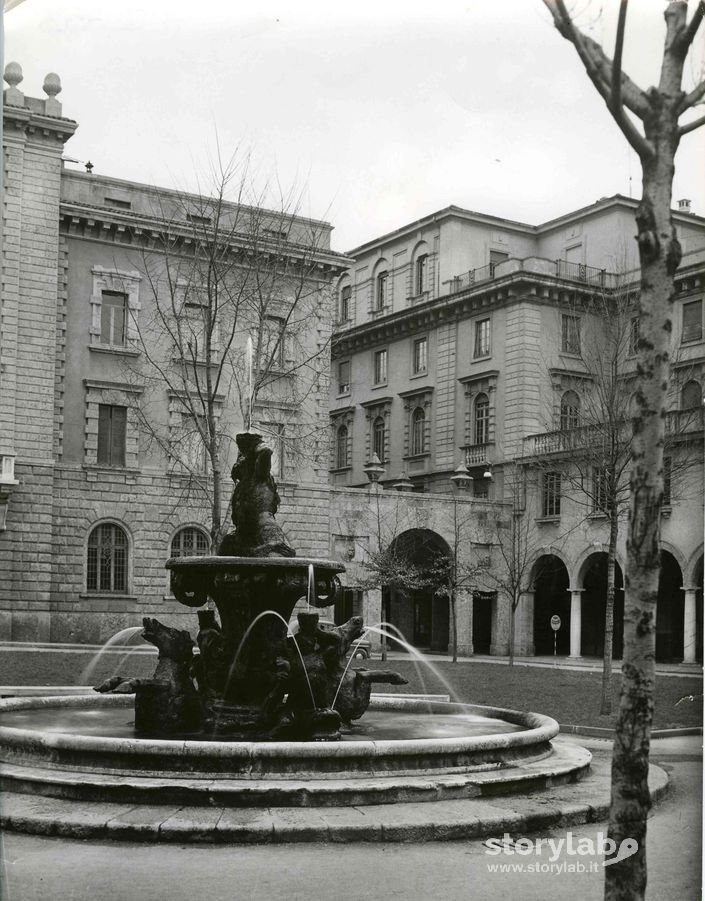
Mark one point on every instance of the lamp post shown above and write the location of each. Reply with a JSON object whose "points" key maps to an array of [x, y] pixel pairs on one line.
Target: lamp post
{"points": [[461, 481], [373, 470]]}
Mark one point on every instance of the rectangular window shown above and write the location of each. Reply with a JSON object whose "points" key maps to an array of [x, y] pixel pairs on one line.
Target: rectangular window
{"points": [[420, 355], [381, 292], [421, 269], [380, 375], [113, 318], [274, 432], [692, 321], [570, 334], [482, 338], [599, 490], [667, 467], [192, 449], [273, 340], [112, 434], [551, 505], [633, 336], [345, 296], [344, 377]]}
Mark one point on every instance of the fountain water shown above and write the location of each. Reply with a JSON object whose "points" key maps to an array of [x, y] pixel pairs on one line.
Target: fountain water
{"points": [[260, 717]]}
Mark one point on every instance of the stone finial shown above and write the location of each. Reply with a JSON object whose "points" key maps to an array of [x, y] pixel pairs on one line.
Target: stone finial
{"points": [[51, 87], [13, 76]]}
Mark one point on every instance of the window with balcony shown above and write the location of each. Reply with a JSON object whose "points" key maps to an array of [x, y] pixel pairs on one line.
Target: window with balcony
{"points": [[421, 274], [378, 438], [106, 559], [113, 318], [551, 495], [381, 290], [570, 411], [112, 435], [418, 432], [482, 338], [380, 367], [481, 430], [570, 334], [497, 257], [420, 364], [599, 489], [344, 370], [692, 321]]}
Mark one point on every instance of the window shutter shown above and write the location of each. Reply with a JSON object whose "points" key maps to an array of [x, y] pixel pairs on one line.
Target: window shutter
{"points": [[119, 433]]}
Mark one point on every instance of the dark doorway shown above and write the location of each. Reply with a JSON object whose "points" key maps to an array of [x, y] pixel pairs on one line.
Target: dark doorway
{"points": [[551, 598], [594, 605], [699, 612], [482, 621], [669, 611]]}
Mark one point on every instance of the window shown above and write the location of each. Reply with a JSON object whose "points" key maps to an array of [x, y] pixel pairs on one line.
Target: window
{"points": [[112, 433], [599, 489], [420, 355], [570, 334], [378, 434], [418, 432], [497, 257], [691, 395], [113, 318], [344, 377], [570, 411], [342, 455], [667, 469], [192, 444], [381, 290], [482, 338], [273, 339], [345, 296], [106, 568], [190, 542], [551, 500], [692, 321], [276, 440], [380, 367], [633, 336], [482, 419], [421, 273]]}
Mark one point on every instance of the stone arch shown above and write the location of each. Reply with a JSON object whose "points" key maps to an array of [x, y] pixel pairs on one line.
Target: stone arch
{"points": [[593, 602], [419, 614], [550, 580], [670, 609]]}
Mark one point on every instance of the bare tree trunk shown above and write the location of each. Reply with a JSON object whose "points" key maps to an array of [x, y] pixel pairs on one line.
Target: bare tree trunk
{"points": [[454, 625], [606, 705], [660, 255], [512, 617]]}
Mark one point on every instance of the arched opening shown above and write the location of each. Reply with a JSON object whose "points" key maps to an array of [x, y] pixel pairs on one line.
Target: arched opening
{"points": [[418, 432], [669, 610], [482, 419], [698, 578], [107, 559], [691, 395], [594, 605], [378, 438], [422, 616], [551, 598], [341, 448], [570, 411]]}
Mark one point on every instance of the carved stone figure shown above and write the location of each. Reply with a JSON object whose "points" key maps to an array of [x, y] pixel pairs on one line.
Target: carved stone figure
{"points": [[255, 501]]}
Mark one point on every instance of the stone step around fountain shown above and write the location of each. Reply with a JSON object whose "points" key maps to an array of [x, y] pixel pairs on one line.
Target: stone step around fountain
{"points": [[559, 806], [566, 763]]}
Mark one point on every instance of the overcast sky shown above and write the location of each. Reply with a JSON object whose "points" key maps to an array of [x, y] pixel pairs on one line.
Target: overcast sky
{"points": [[382, 111]]}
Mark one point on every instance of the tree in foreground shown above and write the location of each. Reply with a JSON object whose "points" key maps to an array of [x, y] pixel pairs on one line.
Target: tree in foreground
{"points": [[659, 111], [234, 293]]}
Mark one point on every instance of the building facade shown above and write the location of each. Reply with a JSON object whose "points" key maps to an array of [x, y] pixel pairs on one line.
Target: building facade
{"points": [[468, 339]]}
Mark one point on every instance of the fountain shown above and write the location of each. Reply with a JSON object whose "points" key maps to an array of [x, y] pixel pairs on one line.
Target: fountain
{"points": [[261, 718]]}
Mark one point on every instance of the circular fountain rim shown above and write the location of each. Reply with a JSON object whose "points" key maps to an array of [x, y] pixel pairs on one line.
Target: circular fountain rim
{"points": [[539, 729]]}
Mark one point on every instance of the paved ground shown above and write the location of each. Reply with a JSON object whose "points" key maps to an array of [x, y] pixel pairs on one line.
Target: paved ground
{"points": [[37, 869]]}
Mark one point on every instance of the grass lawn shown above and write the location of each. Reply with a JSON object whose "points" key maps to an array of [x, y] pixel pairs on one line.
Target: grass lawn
{"points": [[571, 697]]}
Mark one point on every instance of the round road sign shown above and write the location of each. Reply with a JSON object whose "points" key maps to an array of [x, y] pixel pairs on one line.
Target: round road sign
{"points": [[555, 623]]}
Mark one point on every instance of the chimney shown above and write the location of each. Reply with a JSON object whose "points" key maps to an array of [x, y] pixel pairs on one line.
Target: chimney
{"points": [[684, 205]]}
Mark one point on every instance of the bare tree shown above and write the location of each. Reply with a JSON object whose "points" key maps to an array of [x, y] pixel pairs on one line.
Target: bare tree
{"points": [[228, 330], [659, 109]]}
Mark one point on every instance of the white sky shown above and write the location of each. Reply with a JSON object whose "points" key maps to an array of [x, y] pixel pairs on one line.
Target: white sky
{"points": [[382, 111]]}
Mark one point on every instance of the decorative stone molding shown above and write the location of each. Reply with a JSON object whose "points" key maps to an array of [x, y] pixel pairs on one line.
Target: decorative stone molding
{"points": [[123, 283], [114, 394], [417, 397], [381, 406]]}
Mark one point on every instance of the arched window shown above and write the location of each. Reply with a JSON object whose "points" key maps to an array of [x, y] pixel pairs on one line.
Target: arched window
{"points": [[691, 395], [381, 290], [378, 438], [482, 419], [570, 411], [418, 432], [106, 563], [421, 274], [345, 298], [190, 542], [341, 447]]}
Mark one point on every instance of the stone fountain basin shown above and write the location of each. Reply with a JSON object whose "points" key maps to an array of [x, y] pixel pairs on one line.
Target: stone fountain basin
{"points": [[529, 740]]}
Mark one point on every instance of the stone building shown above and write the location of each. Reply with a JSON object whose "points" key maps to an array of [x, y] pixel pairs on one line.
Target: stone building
{"points": [[463, 338], [102, 465]]}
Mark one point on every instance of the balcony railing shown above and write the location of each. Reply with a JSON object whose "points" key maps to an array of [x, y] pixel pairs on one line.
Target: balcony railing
{"points": [[575, 272], [678, 422], [477, 454]]}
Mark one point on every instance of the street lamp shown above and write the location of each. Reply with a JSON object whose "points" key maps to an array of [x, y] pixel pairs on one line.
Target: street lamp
{"points": [[461, 478], [374, 469]]}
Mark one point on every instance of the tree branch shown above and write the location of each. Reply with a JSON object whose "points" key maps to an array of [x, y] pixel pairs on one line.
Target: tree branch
{"points": [[617, 62], [691, 30], [603, 73], [691, 99], [691, 126]]}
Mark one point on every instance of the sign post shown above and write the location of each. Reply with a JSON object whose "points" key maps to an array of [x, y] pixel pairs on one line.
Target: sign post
{"points": [[555, 625]]}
